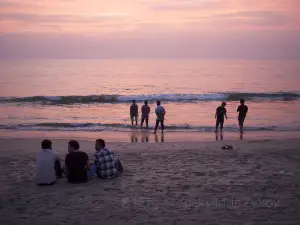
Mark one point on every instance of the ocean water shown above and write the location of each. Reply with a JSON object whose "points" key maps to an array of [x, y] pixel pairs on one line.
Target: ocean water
{"points": [[94, 95]]}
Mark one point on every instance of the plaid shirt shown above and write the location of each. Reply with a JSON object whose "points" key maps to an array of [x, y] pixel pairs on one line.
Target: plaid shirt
{"points": [[105, 162], [160, 113]]}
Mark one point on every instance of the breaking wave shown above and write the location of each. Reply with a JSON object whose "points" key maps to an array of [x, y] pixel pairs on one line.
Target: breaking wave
{"points": [[89, 99]]}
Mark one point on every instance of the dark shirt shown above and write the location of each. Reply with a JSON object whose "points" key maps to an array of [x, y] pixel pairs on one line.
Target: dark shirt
{"points": [[145, 111], [242, 109], [221, 113], [133, 110], [76, 164]]}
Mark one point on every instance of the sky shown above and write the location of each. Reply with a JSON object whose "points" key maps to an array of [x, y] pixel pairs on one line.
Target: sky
{"points": [[150, 28]]}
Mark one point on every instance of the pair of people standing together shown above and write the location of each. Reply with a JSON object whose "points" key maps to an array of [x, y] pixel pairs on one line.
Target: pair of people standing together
{"points": [[221, 112], [159, 111]]}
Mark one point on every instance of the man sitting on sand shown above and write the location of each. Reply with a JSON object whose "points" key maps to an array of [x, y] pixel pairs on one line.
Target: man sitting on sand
{"points": [[48, 167], [145, 114], [134, 112], [77, 164], [107, 164]]}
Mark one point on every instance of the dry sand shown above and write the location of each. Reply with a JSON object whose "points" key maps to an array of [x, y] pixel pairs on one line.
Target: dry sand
{"points": [[163, 183]]}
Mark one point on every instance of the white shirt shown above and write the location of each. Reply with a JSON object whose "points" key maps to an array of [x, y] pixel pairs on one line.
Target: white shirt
{"points": [[45, 162]]}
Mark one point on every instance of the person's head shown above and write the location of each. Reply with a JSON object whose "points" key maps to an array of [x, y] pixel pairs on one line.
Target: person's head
{"points": [[133, 102], [46, 144], [158, 102], [100, 144], [73, 146], [242, 101], [223, 104], [146, 102]]}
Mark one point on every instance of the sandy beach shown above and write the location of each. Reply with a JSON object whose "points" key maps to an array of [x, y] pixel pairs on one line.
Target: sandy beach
{"points": [[163, 183]]}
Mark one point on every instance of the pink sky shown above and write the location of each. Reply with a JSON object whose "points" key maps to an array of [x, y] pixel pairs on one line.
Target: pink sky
{"points": [[150, 28]]}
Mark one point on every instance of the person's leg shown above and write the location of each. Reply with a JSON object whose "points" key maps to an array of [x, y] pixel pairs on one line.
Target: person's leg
{"points": [[50, 184], [156, 126], [221, 124], [162, 126], [142, 122], [132, 120], [241, 123], [217, 124], [136, 122], [147, 121]]}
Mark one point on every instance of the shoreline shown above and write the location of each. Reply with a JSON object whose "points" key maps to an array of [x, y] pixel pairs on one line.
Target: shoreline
{"points": [[140, 136]]}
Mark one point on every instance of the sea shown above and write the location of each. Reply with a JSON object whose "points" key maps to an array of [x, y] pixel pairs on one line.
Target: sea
{"points": [[62, 96]]}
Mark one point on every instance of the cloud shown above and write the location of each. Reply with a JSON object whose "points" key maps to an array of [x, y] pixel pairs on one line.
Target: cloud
{"points": [[57, 18], [19, 5], [179, 5], [254, 18], [219, 44]]}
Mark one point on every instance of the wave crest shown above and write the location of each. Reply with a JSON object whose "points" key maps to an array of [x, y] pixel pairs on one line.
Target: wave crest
{"points": [[89, 99]]}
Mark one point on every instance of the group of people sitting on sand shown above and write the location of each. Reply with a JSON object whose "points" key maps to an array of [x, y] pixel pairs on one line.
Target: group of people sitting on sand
{"points": [[161, 112], [77, 168]]}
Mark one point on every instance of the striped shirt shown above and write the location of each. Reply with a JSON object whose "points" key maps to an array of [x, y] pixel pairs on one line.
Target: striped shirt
{"points": [[160, 112]]}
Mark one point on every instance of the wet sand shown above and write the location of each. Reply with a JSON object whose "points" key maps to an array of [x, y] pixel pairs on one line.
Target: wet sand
{"points": [[257, 182]]}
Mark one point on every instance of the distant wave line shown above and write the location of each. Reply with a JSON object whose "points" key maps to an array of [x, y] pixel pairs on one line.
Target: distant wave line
{"points": [[90, 99]]}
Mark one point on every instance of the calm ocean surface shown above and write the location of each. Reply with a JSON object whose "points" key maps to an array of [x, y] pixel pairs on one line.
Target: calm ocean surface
{"points": [[95, 95]]}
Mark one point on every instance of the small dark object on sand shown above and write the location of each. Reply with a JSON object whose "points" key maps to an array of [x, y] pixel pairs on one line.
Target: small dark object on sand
{"points": [[227, 147]]}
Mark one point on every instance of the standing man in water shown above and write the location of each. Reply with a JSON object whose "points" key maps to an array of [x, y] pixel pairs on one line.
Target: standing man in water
{"points": [[220, 114], [242, 110], [160, 113], [134, 112], [145, 114]]}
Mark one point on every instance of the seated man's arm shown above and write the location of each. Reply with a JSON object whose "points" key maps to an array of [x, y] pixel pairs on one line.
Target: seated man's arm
{"points": [[88, 166], [57, 166], [98, 160]]}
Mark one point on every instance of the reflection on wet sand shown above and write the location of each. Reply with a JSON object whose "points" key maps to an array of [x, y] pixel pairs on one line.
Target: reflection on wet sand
{"points": [[162, 139], [241, 136], [219, 134], [134, 138], [144, 136]]}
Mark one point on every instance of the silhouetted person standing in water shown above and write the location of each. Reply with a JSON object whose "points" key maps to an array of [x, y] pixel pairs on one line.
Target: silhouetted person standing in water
{"points": [[134, 112], [145, 114], [160, 113], [220, 114], [242, 110]]}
